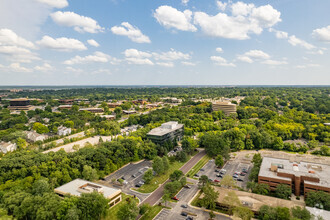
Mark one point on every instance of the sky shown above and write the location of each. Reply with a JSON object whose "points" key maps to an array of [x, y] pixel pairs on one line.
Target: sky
{"points": [[164, 42]]}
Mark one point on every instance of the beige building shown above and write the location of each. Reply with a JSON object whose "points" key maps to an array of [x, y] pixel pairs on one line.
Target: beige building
{"points": [[78, 186], [227, 107]]}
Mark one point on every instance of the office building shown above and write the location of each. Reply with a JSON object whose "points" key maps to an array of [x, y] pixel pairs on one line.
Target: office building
{"points": [[92, 110], [21, 104], [227, 107], [78, 186], [168, 131], [302, 177]]}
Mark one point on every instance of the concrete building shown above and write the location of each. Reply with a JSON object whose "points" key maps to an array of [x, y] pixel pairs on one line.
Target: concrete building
{"points": [[6, 147], [114, 105], [108, 117], [66, 101], [166, 132], [78, 186], [63, 131], [21, 104], [301, 176], [92, 110], [227, 107], [34, 136], [129, 112], [64, 107]]}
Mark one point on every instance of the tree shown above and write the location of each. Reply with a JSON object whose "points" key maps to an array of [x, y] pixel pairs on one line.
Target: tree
{"points": [[228, 181], [165, 198], [129, 211], [243, 213], [176, 175], [301, 213], [212, 215], [219, 161], [210, 197], [166, 163], [203, 180], [92, 205], [283, 191], [158, 165], [262, 189], [232, 200], [318, 199], [89, 173], [69, 124], [148, 175], [144, 208], [21, 143], [172, 188], [40, 128], [40, 187]]}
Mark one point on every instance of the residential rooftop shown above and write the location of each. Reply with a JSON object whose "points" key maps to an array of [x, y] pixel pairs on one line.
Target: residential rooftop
{"points": [[296, 168]]}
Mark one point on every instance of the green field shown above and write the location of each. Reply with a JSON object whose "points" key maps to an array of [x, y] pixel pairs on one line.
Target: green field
{"points": [[148, 188], [198, 166], [112, 212]]}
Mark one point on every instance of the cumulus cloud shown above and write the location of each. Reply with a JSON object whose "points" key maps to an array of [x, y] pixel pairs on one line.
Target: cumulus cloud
{"points": [[97, 57], [252, 55], [279, 34], [136, 53], [165, 64], [44, 68], [294, 41], [172, 55], [220, 61], [185, 2], [170, 17], [16, 67], [274, 62], [322, 34], [221, 5], [61, 44], [73, 70], [80, 23], [55, 3], [133, 33], [245, 59], [188, 63], [246, 19], [9, 37], [219, 50], [313, 65], [139, 61], [93, 43]]}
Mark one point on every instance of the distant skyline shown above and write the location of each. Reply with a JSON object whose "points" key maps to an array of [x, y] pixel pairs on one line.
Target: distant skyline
{"points": [[157, 42]]}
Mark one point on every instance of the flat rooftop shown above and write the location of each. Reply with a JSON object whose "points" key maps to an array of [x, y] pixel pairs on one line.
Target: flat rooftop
{"points": [[315, 170], [165, 128], [78, 186]]}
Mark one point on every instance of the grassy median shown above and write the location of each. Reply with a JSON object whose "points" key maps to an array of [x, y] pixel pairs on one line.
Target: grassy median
{"points": [[154, 184], [198, 166]]}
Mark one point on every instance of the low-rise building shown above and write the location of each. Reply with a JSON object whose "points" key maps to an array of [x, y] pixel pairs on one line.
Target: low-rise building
{"points": [[64, 107], [6, 147], [108, 117], [227, 107], [34, 136], [301, 176], [78, 186], [114, 105], [129, 112], [168, 131], [92, 110], [66, 101], [63, 131], [21, 104]]}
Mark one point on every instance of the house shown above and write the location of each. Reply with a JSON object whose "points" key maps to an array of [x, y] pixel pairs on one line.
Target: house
{"points": [[78, 186], [34, 136], [7, 147], [63, 131]]}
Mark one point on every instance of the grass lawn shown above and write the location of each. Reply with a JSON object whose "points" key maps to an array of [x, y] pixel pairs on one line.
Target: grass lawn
{"points": [[198, 166], [112, 212], [148, 188], [152, 212]]}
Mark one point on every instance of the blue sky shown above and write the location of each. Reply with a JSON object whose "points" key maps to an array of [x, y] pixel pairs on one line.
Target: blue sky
{"points": [[164, 42]]}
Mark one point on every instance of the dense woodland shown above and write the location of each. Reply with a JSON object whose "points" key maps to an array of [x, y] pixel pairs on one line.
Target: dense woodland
{"points": [[266, 119]]}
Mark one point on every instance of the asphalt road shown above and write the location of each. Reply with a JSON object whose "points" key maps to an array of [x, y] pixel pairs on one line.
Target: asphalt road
{"points": [[158, 193]]}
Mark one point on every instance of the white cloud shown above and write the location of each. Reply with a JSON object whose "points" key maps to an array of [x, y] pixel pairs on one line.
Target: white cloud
{"points": [[136, 53], [307, 66], [44, 68], [74, 70], [9, 37], [188, 63], [139, 61], [55, 3], [246, 19], [322, 34], [170, 17], [16, 67], [279, 34], [80, 23], [219, 50], [18, 54], [293, 40], [245, 59], [100, 71], [274, 62], [185, 2], [97, 57], [319, 52], [165, 64], [61, 44], [172, 55], [133, 33], [221, 5], [220, 61], [252, 55], [93, 43]]}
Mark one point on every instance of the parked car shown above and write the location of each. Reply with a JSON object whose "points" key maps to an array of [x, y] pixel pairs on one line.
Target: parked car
{"points": [[239, 179], [187, 186], [216, 181], [202, 169], [223, 171], [175, 198], [184, 214], [243, 174], [134, 175], [235, 176], [219, 175], [210, 180], [196, 175], [123, 178], [184, 206], [189, 218], [138, 185], [217, 171]]}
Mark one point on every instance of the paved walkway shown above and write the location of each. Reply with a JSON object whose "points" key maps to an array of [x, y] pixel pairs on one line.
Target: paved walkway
{"points": [[158, 193]]}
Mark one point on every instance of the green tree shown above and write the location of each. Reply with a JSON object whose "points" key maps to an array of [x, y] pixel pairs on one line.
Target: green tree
{"points": [[69, 124], [148, 176], [92, 206], [203, 180], [301, 213], [40, 128], [219, 161], [21, 143], [89, 173], [228, 182], [40, 187], [210, 197], [166, 163], [129, 211], [283, 191], [318, 199], [158, 165], [176, 175], [243, 213]]}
